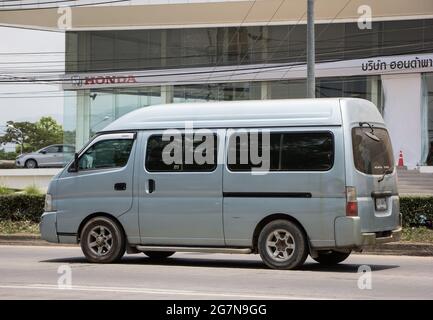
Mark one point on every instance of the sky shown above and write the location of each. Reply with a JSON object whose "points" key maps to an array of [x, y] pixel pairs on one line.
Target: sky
{"points": [[23, 50]]}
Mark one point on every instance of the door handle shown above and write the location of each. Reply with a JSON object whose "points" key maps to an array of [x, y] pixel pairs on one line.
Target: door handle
{"points": [[150, 186], [121, 186]]}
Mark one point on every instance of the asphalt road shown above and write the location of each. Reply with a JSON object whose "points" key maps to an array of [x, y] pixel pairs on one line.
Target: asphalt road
{"points": [[28, 272]]}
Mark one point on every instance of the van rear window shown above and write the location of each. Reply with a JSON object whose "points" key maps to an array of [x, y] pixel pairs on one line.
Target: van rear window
{"points": [[371, 156]]}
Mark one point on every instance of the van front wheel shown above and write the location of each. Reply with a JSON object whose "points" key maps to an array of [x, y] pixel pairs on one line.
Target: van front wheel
{"points": [[331, 258], [102, 240], [282, 245]]}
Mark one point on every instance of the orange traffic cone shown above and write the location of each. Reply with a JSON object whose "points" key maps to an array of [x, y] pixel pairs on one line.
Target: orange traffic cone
{"points": [[401, 161]]}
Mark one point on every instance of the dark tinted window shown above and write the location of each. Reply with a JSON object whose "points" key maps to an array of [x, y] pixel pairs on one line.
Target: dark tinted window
{"points": [[53, 149], [371, 156], [189, 47], [199, 154], [106, 154], [301, 151], [68, 149]]}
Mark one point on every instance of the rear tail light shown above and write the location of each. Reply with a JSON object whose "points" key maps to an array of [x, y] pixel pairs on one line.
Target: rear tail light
{"points": [[351, 202]]}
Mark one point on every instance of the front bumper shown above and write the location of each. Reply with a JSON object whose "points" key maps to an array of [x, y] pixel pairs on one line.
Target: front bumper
{"points": [[19, 163], [348, 234], [48, 227]]}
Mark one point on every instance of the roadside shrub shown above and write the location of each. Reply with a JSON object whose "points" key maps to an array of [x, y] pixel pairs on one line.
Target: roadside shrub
{"points": [[7, 165], [19, 207], [414, 208], [5, 190]]}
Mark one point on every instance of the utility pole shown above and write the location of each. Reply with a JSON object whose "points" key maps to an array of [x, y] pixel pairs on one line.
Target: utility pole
{"points": [[311, 51]]}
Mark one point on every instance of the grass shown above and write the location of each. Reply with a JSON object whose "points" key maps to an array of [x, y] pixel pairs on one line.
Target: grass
{"points": [[32, 190], [5, 190], [11, 227], [420, 234]]}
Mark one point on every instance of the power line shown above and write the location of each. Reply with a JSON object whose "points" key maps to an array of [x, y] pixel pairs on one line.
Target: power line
{"points": [[257, 69], [238, 28], [69, 6], [327, 26], [34, 4], [77, 61]]}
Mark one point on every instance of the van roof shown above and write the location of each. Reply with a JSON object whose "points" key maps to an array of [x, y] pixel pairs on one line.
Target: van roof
{"points": [[275, 113]]}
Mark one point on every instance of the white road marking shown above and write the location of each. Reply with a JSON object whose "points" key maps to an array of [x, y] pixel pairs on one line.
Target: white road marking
{"points": [[154, 291]]}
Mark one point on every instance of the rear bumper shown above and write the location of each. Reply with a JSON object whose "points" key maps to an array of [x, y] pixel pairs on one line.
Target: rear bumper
{"points": [[348, 234], [372, 239]]}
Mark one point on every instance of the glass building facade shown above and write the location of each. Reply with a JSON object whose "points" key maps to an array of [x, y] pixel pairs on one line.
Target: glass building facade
{"points": [[182, 50], [119, 50]]}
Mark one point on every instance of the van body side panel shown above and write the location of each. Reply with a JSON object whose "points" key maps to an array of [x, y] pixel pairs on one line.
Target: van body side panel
{"points": [[184, 208], [316, 213], [82, 193], [130, 220]]}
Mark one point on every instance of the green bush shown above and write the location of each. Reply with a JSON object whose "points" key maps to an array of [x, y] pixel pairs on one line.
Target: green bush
{"points": [[5, 190], [413, 207], [7, 155], [18, 207], [7, 165]]}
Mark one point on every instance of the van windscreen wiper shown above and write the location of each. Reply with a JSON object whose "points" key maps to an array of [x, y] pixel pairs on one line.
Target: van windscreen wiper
{"points": [[370, 134]]}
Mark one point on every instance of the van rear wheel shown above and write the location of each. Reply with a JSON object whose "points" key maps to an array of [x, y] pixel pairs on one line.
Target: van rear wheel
{"points": [[282, 245], [157, 255], [102, 240], [331, 258]]}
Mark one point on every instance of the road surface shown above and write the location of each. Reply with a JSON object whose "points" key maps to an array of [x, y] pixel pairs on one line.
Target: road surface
{"points": [[37, 272]]}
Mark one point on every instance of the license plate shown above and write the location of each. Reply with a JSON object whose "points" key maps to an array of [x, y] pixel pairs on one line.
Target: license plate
{"points": [[381, 204]]}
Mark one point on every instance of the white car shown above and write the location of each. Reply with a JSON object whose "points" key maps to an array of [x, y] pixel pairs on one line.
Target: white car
{"points": [[56, 155]]}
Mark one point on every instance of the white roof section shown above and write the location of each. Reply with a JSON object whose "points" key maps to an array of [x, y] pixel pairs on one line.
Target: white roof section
{"points": [[233, 114]]}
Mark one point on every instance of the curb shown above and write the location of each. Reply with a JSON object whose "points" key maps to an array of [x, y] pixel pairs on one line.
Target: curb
{"points": [[402, 248], [397, 248], [27, 240]]}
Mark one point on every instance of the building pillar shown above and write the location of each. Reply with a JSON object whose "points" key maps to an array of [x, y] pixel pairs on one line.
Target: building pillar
{"points": [[402, 114], [83, 118], [167, 94], [163, 48], [375, 92], [265, 92]]}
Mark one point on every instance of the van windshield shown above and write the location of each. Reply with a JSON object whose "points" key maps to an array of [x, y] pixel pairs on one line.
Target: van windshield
{"points": [[371, 156]]}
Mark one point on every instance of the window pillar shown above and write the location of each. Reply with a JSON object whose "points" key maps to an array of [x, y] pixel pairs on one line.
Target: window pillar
{"points": [[83, 118]]}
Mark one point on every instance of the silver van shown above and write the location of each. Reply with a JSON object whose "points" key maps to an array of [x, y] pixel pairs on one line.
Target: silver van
{"points": [[328, 187]]}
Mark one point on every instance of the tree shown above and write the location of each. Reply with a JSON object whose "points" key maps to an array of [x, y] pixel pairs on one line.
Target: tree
{"points": [[37, 135]]}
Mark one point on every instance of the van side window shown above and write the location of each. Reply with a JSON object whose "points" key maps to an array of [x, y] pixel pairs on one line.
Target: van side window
{"points": [[160, 155], [297, 151], [104, 154]]}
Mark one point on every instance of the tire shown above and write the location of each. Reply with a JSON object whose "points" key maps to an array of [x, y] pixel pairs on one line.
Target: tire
{"points": [[291, 247], [102, 240], [157, 255], [331, 258], [31, 164]]}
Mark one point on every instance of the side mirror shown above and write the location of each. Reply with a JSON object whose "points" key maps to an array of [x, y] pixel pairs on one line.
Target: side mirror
{"points": [[74, 167], [43, 152]]}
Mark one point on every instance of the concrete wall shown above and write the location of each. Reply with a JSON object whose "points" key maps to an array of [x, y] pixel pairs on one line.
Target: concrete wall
{"points": [[21, 178]]}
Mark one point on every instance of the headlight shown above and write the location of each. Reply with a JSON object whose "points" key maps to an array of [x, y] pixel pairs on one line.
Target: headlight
{"points": [[48, 203]]}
